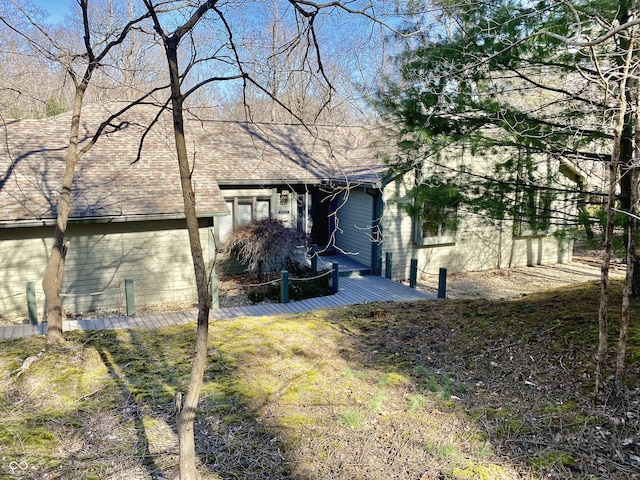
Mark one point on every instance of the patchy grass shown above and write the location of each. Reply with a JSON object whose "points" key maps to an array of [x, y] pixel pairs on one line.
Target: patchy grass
{"points": [[431, 390]]}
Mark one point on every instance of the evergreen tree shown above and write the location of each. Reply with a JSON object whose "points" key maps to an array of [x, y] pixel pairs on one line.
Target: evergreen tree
{"points": [[533, 84], [499, 78]]}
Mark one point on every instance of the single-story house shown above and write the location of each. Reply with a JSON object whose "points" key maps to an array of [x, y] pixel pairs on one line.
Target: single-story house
{"points": [[127, 220]]}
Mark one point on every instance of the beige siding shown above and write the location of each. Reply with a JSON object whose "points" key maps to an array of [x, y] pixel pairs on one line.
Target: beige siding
{"points": [[353, 235], [477, 246], [23, 256], [156, 255]]}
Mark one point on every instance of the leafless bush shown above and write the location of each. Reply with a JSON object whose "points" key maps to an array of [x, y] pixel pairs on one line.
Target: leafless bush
{"points": [[266, 246]]}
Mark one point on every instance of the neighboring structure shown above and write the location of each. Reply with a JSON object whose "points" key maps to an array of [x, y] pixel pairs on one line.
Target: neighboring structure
{"points": [[127, 219]]}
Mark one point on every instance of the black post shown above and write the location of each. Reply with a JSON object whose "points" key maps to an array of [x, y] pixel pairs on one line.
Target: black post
{"points": [[442, 283], [129, 297], [413, 273], [387, 265], [284, 286], [334, 278], [32, 307], [314, 262]]}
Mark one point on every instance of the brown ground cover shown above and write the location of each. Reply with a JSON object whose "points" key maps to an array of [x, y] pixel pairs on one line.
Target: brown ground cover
{"points": [[528, 368], [455, 389]]}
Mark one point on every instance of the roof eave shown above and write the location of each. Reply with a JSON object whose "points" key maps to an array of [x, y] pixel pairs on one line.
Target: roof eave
{"points": [[50, 222]]}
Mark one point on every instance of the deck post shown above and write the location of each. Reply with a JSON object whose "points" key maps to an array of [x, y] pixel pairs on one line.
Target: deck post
{"points": [[387, 265], [129, 297], [335, 274], [32, 307], [442, 283], [413, 273], [213, 290], [284, 286]]}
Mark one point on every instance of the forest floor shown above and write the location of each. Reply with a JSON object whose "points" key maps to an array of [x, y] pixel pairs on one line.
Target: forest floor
{"points": [[518, 282], [457, 389]]}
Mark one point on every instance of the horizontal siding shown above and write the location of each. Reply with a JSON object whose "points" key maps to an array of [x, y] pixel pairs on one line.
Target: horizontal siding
{"points": [[355, 214], [22, 259], [156, 255], [478, 246]]}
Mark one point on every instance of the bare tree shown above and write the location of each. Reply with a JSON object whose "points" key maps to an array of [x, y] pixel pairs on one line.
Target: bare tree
{"points": [[222, 60], [79, 66], [29, 88]]}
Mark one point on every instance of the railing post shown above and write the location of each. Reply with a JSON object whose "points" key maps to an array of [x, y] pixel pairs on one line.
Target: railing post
{"points": [[284, 286], [129, 297], [335, 274], [32, 306], [387, 265], [442, 283], [213, 290], [413, 273], [314, 262]]}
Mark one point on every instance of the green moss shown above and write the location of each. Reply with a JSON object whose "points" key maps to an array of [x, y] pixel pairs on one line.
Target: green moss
{"points": [[351, 419], [392, 379], [359, 374], [374, 404], [416, 401], [440, 449], [295, 421], [552, 458], [478, 472], [566, 407], [28, 436]]}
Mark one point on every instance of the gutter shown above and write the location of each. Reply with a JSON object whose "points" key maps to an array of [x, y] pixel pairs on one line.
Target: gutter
{"points": [[50, 222]]}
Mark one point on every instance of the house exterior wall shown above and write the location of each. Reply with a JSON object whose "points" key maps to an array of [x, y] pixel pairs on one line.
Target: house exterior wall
{"points": [[477, 245], [354, 213], [156, 255]]}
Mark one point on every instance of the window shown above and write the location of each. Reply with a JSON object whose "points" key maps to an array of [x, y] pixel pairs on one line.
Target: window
{"points": [[437, 225], [436, 212], [439, 222], [243, 210]]}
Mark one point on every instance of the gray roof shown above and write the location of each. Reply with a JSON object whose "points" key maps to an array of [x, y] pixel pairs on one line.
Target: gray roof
{"points": [[110, 183]]}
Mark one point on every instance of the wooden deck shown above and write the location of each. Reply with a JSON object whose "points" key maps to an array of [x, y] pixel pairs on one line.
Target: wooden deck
{"points": [[352, 290]]}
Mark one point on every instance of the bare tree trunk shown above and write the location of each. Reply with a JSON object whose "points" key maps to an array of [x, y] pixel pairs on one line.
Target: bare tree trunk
{"points": [[186, 417], [628, 282], [632, 258], [187, 412], [603, 321], [52, 279]]}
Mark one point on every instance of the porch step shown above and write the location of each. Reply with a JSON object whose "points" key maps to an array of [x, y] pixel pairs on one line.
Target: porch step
{"points": [[354, 273], [348, 266]]}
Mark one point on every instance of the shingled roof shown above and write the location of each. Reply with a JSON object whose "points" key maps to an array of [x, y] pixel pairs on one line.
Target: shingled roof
{"points": [[112, 182]]}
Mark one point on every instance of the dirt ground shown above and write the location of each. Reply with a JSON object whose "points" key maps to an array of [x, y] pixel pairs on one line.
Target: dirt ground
{"points": [[518, 282]]}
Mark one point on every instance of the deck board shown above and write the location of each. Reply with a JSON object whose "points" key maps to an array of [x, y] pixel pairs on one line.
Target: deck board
{"points": [[351, 290]]}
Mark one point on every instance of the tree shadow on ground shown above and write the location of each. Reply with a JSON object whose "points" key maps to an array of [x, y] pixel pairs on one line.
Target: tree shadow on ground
{"points": [[522, 371], [149, 367]]}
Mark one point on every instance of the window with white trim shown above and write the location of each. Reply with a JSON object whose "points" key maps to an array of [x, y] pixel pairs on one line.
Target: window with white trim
{"points": [[243, 210]]}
